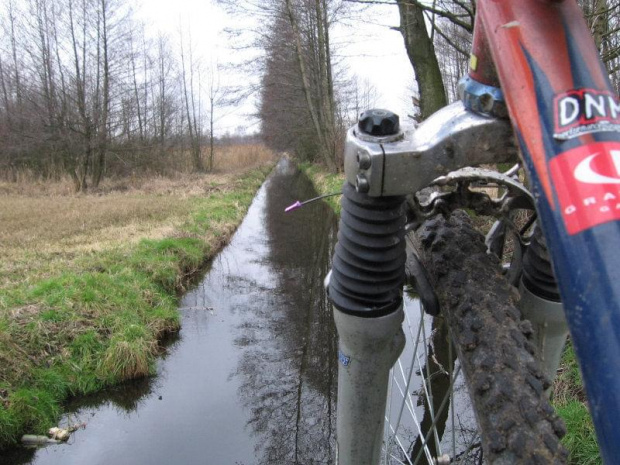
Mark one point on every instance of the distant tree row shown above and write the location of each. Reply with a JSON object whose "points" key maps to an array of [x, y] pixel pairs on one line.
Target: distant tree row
{"points": [[307, 102], [85, 90], [298, 106], [306, 99]]}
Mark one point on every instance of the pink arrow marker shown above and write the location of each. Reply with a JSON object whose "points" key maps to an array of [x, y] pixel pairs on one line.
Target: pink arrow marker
{"points": [[295, 206], [299, 204]]}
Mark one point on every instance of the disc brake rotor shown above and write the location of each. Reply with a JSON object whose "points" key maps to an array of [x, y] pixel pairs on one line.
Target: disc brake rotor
{"points": [[487, 193]]}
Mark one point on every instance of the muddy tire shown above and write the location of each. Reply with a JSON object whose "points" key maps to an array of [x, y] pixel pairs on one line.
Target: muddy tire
{"points": [[506, 385]]}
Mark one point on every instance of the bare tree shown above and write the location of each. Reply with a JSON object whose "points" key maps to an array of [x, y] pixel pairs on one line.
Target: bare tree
{"points": [[321, 109], [356, 96], [603, 17], [421, 51], [298, 62], [189, 69], [219, 97], [70, 89], [103, 63], [164, 93]]}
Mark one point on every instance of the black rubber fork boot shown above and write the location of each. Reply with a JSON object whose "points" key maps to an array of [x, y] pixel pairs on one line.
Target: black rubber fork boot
{"points": [[368, 270], [538, 274]]}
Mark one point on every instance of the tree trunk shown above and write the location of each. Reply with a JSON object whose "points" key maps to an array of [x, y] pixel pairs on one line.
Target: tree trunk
{"points": [[79, 167], [16, 63], [137, 93], [211, 124], [194, 133], [102, 133], [325, 79], [324, 145], [421, 53], [600, 23]]}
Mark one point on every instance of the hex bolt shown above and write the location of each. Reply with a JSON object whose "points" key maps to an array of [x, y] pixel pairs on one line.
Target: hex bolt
{"points": [[363, 160], [361, 184], [486, 102], [379, 123]]}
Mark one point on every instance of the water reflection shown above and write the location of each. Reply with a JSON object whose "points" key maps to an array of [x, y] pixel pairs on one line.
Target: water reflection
{"points": [[288, 367]]}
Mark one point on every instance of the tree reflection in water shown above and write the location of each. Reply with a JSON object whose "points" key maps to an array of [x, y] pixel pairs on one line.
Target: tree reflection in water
{"points": [[288, 367]]}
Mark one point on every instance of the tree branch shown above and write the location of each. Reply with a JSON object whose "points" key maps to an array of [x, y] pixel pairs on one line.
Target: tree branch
{"points": [[452, 17], [450, 42], [613, 53]]}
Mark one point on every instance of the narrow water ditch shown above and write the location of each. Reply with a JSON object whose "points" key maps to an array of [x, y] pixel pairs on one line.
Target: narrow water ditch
{"points": [[251, 378]]}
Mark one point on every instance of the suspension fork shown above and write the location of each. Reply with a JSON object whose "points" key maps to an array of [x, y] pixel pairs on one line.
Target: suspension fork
{"points": [[365, 286], [541, 304], [382, 165]]}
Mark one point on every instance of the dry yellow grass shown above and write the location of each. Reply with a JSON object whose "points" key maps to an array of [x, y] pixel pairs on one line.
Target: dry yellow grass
{"points": [[227, 158], [241, 156], [42, 234], [45, 226], [179, 179]]}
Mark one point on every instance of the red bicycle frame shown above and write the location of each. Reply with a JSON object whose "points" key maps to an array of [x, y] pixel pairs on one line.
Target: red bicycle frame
{"points": [[566, 117]]}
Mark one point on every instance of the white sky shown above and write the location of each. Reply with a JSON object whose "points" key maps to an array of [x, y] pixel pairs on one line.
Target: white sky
{"points": [[373, 52]]}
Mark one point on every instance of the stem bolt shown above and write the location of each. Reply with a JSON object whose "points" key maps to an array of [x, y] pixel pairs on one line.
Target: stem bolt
{"points": [[363, 160], [361, 184], [379, 123]]}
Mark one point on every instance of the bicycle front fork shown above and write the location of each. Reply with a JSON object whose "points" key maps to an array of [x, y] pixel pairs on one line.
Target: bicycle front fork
{"points": [[367, 350], [365, 287], [540, 304]]}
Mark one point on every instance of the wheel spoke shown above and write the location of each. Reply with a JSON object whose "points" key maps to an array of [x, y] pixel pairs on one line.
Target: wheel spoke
{"points": [[402, 381]]}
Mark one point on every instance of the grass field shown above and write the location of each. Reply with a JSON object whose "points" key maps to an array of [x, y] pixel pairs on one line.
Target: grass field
{"points": [[88, 283], [568, 394]]}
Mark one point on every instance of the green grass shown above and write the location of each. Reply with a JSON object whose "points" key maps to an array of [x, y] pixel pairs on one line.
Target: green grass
{"points": [[98, 320], [569, 400], [580, 438], [38, 407], [325, 183]]}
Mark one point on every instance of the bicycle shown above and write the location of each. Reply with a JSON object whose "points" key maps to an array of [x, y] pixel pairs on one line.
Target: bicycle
{"points": [[535, 76]]}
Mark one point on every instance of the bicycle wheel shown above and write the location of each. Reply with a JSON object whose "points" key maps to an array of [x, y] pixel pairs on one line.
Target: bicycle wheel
{"points": [[471, 390]]}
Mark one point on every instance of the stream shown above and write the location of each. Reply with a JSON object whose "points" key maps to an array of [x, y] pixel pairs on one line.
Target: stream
{"points": [[251, 377]]}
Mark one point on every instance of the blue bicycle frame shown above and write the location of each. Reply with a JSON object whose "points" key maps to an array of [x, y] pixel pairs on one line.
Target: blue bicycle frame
{"points": [[566, 117]]}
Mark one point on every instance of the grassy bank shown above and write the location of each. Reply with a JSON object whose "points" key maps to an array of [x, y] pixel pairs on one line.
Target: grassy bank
{"points": [[325, 183], [569, 400], [568, 395], [88, 284]]}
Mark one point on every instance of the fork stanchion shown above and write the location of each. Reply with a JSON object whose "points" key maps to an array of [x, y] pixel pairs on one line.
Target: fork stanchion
{"points": [[365, 287]]}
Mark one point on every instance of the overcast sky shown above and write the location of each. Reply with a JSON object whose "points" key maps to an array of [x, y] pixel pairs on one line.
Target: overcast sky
{"points": [[370, 49]]}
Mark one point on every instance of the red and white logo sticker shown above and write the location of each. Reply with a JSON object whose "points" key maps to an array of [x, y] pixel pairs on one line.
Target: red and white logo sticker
{"points": [[583, 111], [587, 180]]}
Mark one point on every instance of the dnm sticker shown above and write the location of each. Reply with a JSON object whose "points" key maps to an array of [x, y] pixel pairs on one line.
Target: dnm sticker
{"points": [[587, 181], [583, 111]]}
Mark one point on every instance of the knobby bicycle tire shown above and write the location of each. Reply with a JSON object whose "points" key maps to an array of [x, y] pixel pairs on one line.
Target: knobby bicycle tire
{"points": [[506, 385]]}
